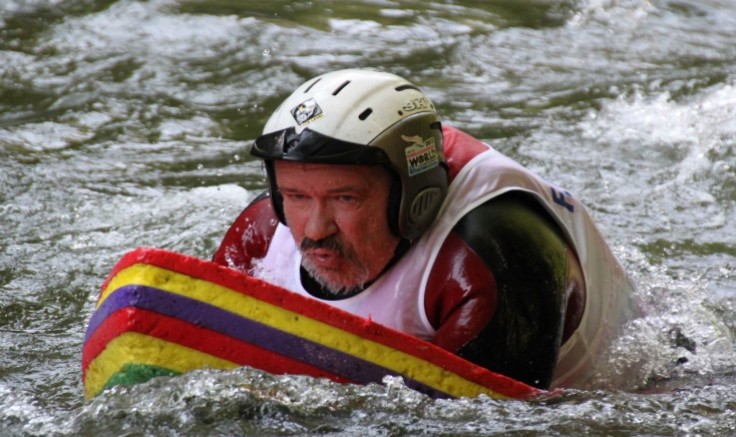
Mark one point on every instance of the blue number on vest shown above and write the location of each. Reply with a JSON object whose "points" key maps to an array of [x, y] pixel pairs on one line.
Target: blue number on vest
{"points": [[560, 198]]}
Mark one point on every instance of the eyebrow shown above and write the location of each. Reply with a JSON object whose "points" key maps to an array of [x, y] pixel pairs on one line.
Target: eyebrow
{"points": [[342, 189]]}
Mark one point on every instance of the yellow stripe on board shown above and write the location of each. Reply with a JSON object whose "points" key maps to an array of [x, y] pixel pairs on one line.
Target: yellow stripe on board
{"points": [[136, 348], [298, 325]]}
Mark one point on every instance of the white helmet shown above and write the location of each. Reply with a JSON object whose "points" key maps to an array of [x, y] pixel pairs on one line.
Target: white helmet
{"points": [[364, 117]]}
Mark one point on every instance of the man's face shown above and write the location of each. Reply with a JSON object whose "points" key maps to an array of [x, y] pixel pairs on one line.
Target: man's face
{"points": [[337, 215]]}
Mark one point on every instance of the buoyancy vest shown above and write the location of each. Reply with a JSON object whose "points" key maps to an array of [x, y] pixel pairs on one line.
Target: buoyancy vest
{"points": [[396, 299]]}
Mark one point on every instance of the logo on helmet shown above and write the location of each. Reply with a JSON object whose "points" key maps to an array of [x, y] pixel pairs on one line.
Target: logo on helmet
{"points": [[421, 155], [419, 104], [306, 112]]}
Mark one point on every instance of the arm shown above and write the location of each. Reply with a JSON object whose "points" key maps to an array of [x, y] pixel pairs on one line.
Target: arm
{"points": [[500, 290], [249, 236]]}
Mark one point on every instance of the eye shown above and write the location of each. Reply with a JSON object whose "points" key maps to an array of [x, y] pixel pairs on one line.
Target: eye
{"points": [[347, 198], [294, 197]]}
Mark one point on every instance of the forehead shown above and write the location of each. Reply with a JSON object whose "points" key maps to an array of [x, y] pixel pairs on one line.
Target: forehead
{"points": [[307, 174]]}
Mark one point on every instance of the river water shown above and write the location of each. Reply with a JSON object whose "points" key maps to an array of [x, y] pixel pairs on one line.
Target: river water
{"points": [[126, 123]]}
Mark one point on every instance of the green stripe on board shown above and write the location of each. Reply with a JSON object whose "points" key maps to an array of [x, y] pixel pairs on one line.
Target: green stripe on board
{"points": [[137, 373]]}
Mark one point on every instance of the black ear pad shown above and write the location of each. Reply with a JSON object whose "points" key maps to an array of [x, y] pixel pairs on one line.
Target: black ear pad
{"points": [[394, 203]]}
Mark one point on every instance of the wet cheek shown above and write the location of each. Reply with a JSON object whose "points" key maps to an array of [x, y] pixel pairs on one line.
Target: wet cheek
{"points": [[355, 224], [295, 219]]}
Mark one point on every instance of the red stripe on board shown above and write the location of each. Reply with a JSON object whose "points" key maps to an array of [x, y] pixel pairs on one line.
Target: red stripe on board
{"points": [[170, 329]]}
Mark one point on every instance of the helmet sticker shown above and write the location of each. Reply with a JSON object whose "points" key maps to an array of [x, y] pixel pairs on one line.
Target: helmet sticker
{"points": [[419, 104], [306, 112], [421, 155]]}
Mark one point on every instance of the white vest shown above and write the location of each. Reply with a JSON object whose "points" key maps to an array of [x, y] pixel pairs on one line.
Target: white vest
{"points": [[396, 299]]}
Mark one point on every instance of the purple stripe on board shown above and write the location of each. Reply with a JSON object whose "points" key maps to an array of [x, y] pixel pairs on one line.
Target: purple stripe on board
{"points": [[247, 330]]}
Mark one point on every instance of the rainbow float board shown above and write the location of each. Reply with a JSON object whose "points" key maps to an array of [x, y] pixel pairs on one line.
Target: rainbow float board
{"points": [[164, 313]]}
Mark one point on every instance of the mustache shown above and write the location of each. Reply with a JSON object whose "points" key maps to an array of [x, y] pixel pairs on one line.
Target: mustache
{"points": [[330, 243]]}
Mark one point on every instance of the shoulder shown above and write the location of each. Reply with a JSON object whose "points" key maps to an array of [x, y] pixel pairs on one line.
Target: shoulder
{"points": [[520, 242], [459, 148], [249, 236]]}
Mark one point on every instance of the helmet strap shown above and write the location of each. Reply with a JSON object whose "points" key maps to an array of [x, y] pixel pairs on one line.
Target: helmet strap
{"points": [[277, 200]]}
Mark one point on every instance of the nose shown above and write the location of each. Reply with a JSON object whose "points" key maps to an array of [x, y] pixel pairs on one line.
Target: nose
{"points": [[320, 222]]}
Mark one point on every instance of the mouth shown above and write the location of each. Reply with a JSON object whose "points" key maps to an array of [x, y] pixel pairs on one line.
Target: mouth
{"points": [[325, 259]]}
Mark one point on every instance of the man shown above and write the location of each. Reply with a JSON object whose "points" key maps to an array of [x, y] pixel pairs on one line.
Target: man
{"points": [[376, 208]]}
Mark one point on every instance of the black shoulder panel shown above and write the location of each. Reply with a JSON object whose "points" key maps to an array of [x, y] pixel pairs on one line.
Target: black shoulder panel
{"points": [[525, 251]]}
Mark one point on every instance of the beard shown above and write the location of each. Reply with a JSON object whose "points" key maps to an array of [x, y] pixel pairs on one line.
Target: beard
{"points": [[337, 283]]}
